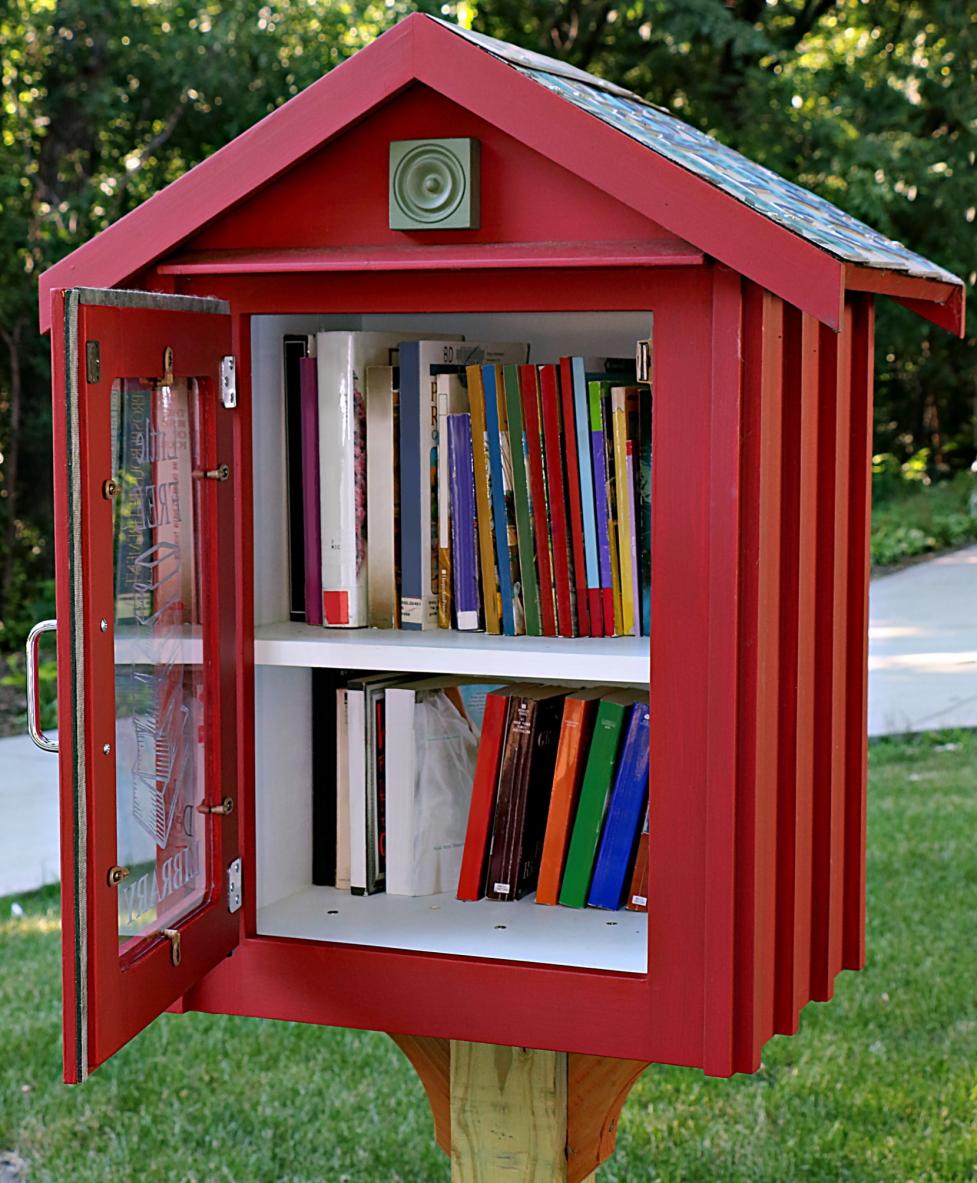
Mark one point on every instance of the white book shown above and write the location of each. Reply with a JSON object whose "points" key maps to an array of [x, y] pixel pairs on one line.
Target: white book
{"points": [[382, 464], [432, 747], [342, 791], [342, 359]]}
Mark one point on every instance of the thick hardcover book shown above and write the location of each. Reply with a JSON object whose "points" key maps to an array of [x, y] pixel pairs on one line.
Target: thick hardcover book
{"points": [[613, 712], [295, 349], [529, 391], [594, 391], [342, 359], [637, 900], [525, 780], [503, 505], [623, 499], [628, 803], [432, 748], [574, 497], [325, 786], [588, 505], [566, 615], [471, 877], [452, 400], [382, 467], [463, 523], [342, 790], [523, 501], [312, 552], [491, 600], [579, 713]]}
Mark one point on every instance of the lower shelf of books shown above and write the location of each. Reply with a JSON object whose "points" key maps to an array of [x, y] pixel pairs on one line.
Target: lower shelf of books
{"points": [[514, 930]]}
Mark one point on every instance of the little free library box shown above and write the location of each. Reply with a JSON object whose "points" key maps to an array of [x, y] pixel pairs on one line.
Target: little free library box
{"points": [[223, 770]]}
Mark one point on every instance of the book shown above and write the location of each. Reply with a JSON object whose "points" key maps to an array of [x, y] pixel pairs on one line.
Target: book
{"points": [[536, 470], [503, 506], [600, 503], [311, 535], [637, 900], [588, 504], [644, 497], [432, 747], [491, 598], [522, 500], [612, 714], [452, 399], [342, 359], [366, 822], [610, 477], [563, 576], [627, 806], [471, 876], [464, 527], [577, 724], [295, 348], [383, 500], [342, 792], [623, 500], [574, 496], [522, 799], [325, 785], [633, 537]]}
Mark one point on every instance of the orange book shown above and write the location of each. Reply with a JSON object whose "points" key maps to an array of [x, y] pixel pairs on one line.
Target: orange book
{"points": [[637, 900], [579, 712]]}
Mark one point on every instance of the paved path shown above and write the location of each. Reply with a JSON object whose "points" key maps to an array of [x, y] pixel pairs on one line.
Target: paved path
{"points": [[922, 675]]}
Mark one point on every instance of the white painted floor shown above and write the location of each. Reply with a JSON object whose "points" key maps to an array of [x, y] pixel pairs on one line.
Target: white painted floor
{"points": [[922, 676]]}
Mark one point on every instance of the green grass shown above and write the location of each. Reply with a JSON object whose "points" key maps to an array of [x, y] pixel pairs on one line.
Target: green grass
{"points": [[880, 1085]]}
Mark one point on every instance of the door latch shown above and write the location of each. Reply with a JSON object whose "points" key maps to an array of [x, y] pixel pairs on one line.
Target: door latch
{"points": [[225, 808], [643, 360], [228, 375], [173, 936]]}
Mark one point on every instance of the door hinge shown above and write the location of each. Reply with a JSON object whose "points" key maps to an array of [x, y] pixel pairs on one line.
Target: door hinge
{"points": [[234, 896], [116, 875], [643, 360], [173, 936], [228, 372], [93, 361], [225, 808]]}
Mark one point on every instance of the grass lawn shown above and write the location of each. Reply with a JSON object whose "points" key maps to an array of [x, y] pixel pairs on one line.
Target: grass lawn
{"points": [[879, 1086]]}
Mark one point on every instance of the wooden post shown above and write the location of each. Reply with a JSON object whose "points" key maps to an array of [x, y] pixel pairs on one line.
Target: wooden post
{"points": [[519, 1115]]}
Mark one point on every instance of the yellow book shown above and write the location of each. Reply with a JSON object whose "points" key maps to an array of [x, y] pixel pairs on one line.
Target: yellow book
{"points": [[483, 503], [626, 585]]}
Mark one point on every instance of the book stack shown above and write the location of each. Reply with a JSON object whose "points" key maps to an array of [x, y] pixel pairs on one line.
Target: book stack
{"points": [[451, 484], [559, 804]]}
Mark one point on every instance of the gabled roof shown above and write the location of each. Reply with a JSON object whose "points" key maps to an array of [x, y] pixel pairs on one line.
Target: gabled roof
{"points": [[774, 232]]}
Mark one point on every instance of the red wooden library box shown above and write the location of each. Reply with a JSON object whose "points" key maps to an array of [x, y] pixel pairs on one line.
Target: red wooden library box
{"points": [[603, 222]]}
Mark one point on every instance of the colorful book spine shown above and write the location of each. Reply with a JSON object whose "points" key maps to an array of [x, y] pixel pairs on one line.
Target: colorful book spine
{"points": [[623, 500], [588, 505], [644, 497], [574, 497], [522, 500], [382, 464], [579, 712], [464, 530], [529, 394], [600, 504], [452, 400], [491, 598], [418, 466], [503, 510], [471, 877], [312, 557], [610, 475], [549, 389], [629, 801], [637, 900], [296, 351], [635, 554], [597, 780]]}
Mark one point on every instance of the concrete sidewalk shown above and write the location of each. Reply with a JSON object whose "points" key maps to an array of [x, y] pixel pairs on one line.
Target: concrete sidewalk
{"points": [[922, 675]]}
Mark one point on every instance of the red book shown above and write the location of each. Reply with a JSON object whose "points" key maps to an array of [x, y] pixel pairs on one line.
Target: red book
{"points": [[481, 812], [529, 391], [573, 497], [549, 389]]}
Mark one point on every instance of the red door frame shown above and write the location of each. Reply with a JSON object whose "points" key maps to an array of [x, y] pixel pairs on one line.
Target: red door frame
{"points": [[108, 1001]]}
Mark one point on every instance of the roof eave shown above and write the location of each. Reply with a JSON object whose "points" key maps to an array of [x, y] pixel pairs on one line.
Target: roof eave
{"points": [[943, 303]]}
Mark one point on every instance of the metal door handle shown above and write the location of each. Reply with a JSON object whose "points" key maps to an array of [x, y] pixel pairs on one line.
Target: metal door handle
{"points": [[33, 689]]}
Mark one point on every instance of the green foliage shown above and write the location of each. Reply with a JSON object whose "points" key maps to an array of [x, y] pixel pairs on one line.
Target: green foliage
{"points": [[913, 516], [878, 1084]]}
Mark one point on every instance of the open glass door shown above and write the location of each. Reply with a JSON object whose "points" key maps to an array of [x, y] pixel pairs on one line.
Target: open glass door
{"points": [[146, 603]]}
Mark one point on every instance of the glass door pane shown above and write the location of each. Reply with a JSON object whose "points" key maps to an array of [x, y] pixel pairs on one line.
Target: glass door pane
{"points": [[159, 674]]}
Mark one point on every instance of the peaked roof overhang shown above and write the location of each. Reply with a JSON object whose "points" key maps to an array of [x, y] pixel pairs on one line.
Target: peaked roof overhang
{"points": [[496, 85]]}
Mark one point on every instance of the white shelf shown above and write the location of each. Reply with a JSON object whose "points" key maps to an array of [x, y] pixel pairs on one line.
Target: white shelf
{"points": [[517, 930], [602, 660]]}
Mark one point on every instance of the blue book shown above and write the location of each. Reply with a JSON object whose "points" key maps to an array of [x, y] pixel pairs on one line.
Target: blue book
{"points": [[625, 813], [581, 412], [464, 541], [505, 541]]}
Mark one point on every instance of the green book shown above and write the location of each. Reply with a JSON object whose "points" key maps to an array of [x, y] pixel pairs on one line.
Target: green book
{"points": [[596, 788], [525, 539]]}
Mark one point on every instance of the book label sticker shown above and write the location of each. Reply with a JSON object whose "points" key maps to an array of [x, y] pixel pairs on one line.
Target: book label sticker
{"points": [[500, 887]]}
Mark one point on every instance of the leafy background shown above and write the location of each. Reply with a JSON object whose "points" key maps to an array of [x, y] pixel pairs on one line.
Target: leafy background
{"points": [[871, 104]]}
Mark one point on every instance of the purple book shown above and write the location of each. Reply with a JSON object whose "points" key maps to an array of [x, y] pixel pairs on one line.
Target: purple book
{"points": [[309, 399], [595, 392], [464, 543]]}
